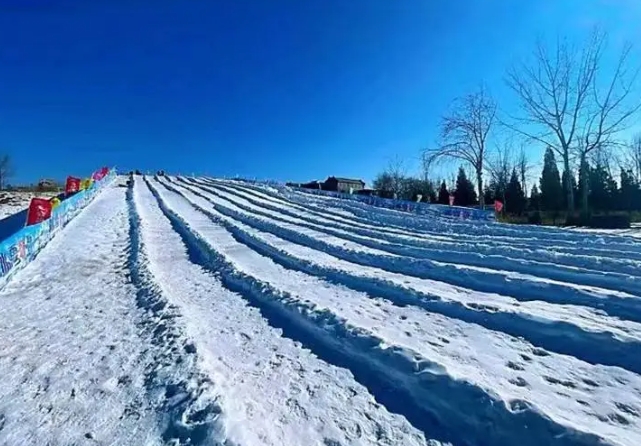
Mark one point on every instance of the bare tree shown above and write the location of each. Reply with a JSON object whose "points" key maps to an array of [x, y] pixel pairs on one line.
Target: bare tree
{"points": [[397, 171], [523, 167], [564, 105], [464, 134], [632, 159], [6, 170], [501, 163]]}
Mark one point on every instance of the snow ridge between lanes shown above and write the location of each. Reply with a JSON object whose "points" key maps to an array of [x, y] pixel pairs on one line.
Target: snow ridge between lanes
{"points": [[537, 322], [444, 229], [453, 392], [520, 286], [183, 397], [271, 391], [565, 267]]}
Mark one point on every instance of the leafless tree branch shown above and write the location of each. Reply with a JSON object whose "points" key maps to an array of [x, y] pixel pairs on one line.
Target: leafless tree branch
{"points": [[6, 170], [464, 134], [564, 106]]}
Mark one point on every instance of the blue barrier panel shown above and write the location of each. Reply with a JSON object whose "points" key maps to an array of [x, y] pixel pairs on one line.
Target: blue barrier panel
{"points": [[12, 224], [22, 247]]}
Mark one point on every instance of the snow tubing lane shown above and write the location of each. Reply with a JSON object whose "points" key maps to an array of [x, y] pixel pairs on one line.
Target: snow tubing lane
{"points": [[373, 215], [625, 308], [421, 393], [184, 416], [557, 336], [606, 276]]}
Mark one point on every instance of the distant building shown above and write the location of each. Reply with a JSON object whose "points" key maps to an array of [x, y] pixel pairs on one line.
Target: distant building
{"points": [[337, 184], [46, 185], [312, 185], [368, 192]]}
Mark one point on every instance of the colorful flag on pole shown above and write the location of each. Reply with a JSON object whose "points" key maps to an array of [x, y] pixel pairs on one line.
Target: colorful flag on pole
{"points": [[73, 185], [39, 211]]}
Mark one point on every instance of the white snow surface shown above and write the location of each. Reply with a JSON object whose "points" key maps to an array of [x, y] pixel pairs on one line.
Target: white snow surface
{"points": [[216, 312], [71, 360], [272, 392], [587, 318], [491, 360]]}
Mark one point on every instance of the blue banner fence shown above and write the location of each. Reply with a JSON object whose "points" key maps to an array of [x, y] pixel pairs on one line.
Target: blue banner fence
{"points": [[22, 247]]}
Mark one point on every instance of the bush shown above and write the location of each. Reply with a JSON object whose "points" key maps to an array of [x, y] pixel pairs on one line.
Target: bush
{"points": [[611, 221], [577, 220], [535, 218]]}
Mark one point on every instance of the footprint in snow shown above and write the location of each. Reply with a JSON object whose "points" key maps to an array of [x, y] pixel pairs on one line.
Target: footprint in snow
{"points": [[540, 352], [519, 381], [630, 410], [590, 383], [515, 366], [553, 380]]}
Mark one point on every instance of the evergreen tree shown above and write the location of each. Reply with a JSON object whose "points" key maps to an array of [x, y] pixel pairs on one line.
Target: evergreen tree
{"points": [[488, 194], [583, 190], [443, 194], [413, 187], [629, 193], [551, 188], [603, 192], [431, 193], [496, 190], [464, 195], [384, 183], [575, 190], [535, 199], [514, 196]]}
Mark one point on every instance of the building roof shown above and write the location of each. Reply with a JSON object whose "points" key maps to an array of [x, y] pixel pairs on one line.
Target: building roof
{"points": [[347, 180]]}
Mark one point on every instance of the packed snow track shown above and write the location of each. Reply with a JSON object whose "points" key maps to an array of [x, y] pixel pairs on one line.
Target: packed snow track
{"points": [[196, 311]]}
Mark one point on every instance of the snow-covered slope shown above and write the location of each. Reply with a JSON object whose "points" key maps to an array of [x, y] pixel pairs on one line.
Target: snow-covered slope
{"points": [[201, 311]]}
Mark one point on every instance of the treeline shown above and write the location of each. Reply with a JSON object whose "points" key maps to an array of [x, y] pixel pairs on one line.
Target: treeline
{"points": [[407, 187], [603, 190], [571, 104]]}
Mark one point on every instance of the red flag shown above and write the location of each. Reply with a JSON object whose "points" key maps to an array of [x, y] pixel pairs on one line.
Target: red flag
{"points": [[451, 200], [73, 185], [100, 174], [39, 211], [498, 206]]}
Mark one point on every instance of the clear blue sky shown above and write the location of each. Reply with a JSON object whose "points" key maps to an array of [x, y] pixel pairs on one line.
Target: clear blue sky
{"points": [[283, 89]]}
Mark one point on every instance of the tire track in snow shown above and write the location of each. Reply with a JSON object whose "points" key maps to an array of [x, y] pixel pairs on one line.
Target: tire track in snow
{"points": [[583, 258], [395, 379], [272, 391], [178, 391], [562, 337], [602, 272]]}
